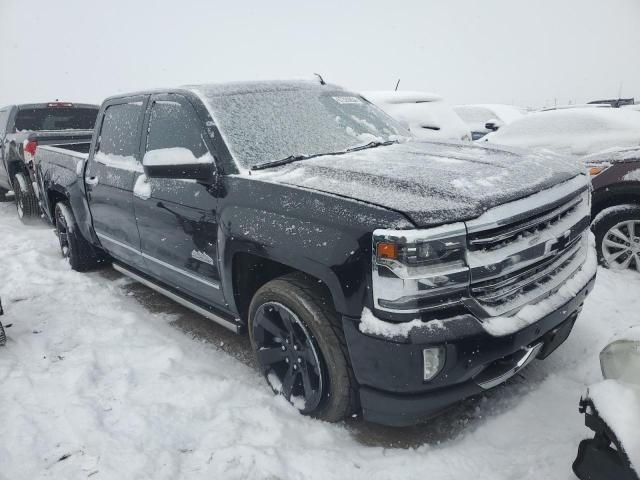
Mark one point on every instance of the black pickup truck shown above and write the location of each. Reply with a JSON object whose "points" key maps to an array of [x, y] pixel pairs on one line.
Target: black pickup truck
{"points": [[373, 273], [23, 128]]}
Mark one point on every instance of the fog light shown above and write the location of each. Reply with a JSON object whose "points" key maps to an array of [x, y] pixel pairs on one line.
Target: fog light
{"points": [[433, 361]]}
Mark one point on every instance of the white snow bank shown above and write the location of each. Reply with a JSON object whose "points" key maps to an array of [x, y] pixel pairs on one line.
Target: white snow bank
{"points": [[174, 156], [142, 188], [581, 131], [88, 371], [500, 326], [372, 325], [121, 162], [619, 406]]}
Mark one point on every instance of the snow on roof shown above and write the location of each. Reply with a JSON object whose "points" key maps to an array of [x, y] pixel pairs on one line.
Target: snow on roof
{"points": [[506, 113], [237, 88], [580, 131], [394, 97]]}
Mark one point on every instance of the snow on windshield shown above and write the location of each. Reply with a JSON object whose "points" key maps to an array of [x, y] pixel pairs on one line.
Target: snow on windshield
{"points": [[573, 131], [270, 124]]}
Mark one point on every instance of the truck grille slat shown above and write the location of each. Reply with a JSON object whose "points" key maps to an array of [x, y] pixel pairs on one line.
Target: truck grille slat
{"points": [[527, 258], [496, 237], [502, 288]]}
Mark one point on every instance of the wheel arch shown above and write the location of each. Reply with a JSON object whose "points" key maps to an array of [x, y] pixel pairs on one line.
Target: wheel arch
{"points": [[249, 271], [616, 194]]}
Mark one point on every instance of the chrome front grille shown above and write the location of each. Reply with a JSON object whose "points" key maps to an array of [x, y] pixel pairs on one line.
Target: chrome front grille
{"points": [[498, 237], [505, 288], [522, 252]]}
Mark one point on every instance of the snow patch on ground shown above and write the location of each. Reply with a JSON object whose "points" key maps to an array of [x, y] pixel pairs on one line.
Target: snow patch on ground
{"points": [[90, 375]]}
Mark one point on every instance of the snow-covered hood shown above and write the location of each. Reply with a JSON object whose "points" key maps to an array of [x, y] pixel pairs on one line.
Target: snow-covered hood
{"points": [[431, 183]]}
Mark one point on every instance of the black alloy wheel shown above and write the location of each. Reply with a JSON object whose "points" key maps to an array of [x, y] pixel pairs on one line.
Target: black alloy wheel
{"points": [[288, 356]]}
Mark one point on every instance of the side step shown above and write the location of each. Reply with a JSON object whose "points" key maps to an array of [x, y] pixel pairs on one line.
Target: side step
{"points": [[233, 326]]}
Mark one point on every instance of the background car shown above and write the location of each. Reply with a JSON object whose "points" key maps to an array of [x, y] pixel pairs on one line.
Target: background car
{"points": [[612, 411], [615, 205], [486, 118], [427, 115], [578, 132]]}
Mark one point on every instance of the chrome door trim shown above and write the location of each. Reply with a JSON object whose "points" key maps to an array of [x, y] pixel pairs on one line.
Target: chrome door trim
{"points": [[210, 283]]}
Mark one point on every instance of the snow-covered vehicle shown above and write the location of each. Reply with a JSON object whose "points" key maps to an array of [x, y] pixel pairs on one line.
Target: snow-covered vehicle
{"points": [[612, 411], [427, 115], [23, 128], [373, 273], [486, 118], [615, 176], [575, 131]]}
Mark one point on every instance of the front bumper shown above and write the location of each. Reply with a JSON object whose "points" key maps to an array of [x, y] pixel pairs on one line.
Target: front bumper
{"points": [[390, 372]]}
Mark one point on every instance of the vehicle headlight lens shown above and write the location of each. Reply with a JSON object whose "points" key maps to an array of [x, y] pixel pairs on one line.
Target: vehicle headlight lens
{"points": [[415, 270], [594, 170], [620, 360]]}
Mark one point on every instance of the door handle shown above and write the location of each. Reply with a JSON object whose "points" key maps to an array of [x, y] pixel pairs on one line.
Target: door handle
{"points": [[91, 181]]}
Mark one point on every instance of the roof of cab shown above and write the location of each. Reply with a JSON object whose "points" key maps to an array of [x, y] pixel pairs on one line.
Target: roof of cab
{"points": [[238, 88]]}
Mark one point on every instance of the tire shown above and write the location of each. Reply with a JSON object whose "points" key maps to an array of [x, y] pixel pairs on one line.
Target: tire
{"points": [[73, 246], [316, 337], [3, 337], [26, 200], [617, 232]]}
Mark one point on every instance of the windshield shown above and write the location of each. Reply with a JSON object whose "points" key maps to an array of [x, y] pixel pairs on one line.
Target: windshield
{"points": [[56, 118], [271, 125]]}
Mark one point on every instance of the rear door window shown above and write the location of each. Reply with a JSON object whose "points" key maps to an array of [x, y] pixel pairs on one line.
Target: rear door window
{"points": [[55, 118], [119, 141]]}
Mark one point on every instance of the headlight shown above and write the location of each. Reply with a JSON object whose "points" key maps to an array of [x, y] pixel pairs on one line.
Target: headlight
{"points": [[415, 270], [620, 360], [597, 169]]}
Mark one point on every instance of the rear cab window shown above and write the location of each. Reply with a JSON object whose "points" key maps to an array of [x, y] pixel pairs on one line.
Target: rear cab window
{"points": [[55, 118]]}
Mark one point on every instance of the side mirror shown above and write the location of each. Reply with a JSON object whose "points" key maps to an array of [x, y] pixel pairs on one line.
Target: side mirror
{"points": [[177, 162], [493, 125]]}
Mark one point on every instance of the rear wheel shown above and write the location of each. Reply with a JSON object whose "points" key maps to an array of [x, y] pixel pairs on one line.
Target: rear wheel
{"points": [[3, 337], [300, 347], [617, 232], [73, 246], [26, 200]]}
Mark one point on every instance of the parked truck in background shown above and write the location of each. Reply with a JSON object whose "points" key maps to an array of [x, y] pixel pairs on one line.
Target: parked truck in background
{"points": [[373, 273], [25, 127]]}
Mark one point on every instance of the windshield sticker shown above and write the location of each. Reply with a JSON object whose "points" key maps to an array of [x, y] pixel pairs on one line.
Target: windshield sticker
{"points": [[347, 100]]}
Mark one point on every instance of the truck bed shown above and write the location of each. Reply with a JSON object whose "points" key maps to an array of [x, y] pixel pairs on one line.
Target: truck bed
{"points": [[58, 170]]}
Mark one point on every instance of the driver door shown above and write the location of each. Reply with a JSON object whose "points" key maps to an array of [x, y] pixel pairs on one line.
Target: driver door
{"points": [[177, 218]]}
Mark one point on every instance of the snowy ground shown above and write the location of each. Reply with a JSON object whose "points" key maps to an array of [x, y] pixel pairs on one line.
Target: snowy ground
{"points": [[101, 378]]}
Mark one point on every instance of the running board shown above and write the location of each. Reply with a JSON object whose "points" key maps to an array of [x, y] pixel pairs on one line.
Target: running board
{"points": [[228, 324]]}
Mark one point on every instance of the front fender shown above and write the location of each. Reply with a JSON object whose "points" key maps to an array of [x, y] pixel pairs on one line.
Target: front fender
{"points": [[334, 256]]}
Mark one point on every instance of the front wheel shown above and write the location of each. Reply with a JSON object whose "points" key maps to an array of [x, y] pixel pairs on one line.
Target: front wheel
{"points": [[300, 347], [73, 246], [617, 231], [26, 201]]}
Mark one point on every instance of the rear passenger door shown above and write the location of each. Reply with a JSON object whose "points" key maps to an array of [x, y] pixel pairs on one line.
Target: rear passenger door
{"points": [[177, 218], [109, 178]]}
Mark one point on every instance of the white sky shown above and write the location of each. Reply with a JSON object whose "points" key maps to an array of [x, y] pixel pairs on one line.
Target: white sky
{"points": [[510, 51]]}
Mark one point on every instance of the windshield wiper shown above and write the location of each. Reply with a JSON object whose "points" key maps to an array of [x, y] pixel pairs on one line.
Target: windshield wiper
{"points": [[297, 158], [284, 161], [371, 145]]}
